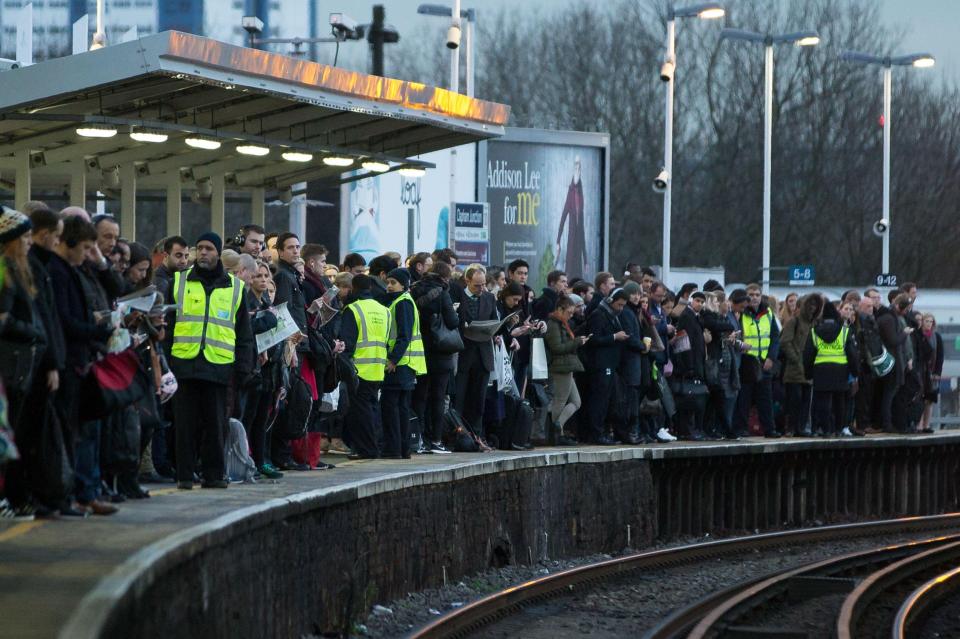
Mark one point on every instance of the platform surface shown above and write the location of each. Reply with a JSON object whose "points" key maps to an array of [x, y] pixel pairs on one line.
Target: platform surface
{"points": [[57, 575]]}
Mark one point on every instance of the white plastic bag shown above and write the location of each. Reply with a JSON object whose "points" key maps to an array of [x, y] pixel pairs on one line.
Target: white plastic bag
{"points": [[330, 401], [538, 359], [502, 369]]}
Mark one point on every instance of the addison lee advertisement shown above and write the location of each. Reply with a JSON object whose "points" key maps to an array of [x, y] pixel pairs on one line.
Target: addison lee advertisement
{"points": [[546, 206]]}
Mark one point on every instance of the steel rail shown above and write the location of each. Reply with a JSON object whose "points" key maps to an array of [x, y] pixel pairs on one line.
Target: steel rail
{"points": [[484, 611], [921, 600]]}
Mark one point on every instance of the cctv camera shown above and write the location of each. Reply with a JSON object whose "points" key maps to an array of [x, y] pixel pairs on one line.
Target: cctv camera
{"points": [[666, 71], [6, 64], [453, 36], [661, 181], [345, 27], [881, 227]]}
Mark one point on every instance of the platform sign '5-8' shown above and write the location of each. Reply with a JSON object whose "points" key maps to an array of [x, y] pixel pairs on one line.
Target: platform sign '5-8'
{"points": [[802, 275]]}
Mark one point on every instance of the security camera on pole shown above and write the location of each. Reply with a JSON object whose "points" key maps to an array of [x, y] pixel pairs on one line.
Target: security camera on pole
{"points": [[662, 184], [919, 60], [800, 39]]}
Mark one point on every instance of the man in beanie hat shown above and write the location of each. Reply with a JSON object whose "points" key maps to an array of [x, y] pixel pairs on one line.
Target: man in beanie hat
{"points": [[210, 343], [405, 361]]}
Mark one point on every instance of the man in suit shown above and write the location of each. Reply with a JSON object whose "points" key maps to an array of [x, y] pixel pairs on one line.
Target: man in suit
{"points": [[476, 360]]}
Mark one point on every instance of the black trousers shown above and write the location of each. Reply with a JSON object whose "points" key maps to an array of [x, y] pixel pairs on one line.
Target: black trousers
{"points": [[598, 404], [256, 410], [887, 387], [200, 416], [471, 392], [395, 415], [798, 407], [829, 411], [429, 398], [865, 400], [762, 393], [361, 421]]}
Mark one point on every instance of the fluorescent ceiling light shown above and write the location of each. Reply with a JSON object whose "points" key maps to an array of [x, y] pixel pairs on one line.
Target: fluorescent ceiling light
{"points": [[337, 160], [149, 135], [96, 130], [252, 149], [296, 156], [376, 167], [413, 171], [201, 142]]}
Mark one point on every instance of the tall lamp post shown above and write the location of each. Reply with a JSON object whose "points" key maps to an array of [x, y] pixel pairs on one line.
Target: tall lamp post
{"points": [[800, 39], [920, 60], [664, 182], [470, 16]]}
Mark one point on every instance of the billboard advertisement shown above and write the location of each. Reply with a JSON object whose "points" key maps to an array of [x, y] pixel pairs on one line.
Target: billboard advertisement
{"points": [[392, 212], [547, 192]]}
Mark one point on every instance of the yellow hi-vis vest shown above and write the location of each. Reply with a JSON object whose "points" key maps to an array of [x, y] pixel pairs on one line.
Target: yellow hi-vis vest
{"points": [[833, 352], [373, 326], [756, 333], [415, 357], [202, 321]]}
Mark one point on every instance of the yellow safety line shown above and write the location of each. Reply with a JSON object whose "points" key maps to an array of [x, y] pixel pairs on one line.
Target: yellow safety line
{"points": [[20, 529]]}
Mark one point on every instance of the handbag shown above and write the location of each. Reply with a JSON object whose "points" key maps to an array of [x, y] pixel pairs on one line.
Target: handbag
{"points": [[114, 382], [17, 360], [445, 340], [882, 364]]}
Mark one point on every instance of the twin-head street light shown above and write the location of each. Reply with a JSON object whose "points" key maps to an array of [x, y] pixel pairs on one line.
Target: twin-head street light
{"points": [[664, 181], [800, 39], [920, 60]]}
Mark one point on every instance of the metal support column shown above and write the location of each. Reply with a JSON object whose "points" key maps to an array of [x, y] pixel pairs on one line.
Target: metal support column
{"points": [[128, 201], [173, 204], [258, 207], [78, 185], [22, 178], [218, 221]]}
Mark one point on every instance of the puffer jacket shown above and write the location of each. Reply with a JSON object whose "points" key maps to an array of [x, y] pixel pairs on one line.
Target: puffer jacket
{"points": [[794, 338], [561, 349]]}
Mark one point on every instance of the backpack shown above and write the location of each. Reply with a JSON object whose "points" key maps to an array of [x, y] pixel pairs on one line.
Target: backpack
{"points": [[517, 423], [458, 436], [295, 409]]}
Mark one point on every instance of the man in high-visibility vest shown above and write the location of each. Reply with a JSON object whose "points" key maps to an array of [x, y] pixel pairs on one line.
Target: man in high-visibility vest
{"points": [[210, 345], [831, 360], [364, 329], [761, 334], [405, 361]]}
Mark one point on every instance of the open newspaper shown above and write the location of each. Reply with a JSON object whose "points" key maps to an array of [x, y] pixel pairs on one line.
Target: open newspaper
{"points": [[484, 330], [285, 328]]}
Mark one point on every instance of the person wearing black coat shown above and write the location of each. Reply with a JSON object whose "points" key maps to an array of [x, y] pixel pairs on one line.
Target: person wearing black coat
{"points": [[834, 344], [434, 304], [688, 381], [722, 377], [475, 362], [399, 379], [633, 352], [893, 336], [602, 354]]}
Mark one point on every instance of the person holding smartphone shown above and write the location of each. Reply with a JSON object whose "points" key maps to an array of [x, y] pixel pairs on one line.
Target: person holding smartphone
{"points": [[562, 361]]}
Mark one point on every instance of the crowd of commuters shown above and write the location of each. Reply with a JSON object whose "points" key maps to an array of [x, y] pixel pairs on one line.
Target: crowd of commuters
{"points": [[398, 357]]}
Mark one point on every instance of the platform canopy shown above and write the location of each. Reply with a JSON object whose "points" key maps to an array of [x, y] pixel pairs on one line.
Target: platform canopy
{"points": [[184, 91]]}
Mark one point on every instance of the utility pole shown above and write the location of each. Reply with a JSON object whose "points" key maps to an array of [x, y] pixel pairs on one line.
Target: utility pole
{"points": [[376, 40]]}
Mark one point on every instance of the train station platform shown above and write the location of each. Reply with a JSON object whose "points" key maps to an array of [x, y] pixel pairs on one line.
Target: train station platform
{"points": [[315, 549]]}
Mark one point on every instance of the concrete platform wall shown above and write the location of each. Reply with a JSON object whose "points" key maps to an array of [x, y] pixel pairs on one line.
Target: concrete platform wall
{"points": [[309, 564]]}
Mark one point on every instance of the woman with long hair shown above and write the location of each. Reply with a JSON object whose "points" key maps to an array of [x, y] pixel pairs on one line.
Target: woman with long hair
{"points": [[139, 271], [562, 363]]}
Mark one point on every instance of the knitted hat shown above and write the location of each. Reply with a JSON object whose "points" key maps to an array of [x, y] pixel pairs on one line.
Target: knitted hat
{"points": [[213, 238], [13, 224], [402, 275], [619, 294], [631, 288], [576, 299], [712, 285]]}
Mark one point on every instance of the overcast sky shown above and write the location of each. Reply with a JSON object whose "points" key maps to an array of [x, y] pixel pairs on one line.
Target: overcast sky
{"points": [[930, 25]]}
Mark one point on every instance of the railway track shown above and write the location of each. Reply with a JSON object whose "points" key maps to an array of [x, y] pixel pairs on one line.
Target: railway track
{"points": [[490, 609]]}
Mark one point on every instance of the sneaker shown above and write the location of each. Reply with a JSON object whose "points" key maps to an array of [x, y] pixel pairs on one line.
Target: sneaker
{"points": [[437, 448], [20, 513], [664, 435], [846, 432], [268, 471], [293, 465]]}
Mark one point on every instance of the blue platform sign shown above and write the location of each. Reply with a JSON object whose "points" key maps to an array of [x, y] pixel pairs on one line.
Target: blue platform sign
{"points": [[802, 275]]}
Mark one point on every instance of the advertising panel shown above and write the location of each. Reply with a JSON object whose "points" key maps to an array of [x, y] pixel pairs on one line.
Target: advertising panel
{"points": [[548, 205], [392, 212]]}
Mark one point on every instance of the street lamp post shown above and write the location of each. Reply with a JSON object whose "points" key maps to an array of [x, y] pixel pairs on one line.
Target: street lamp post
{"points": [[801, 39], [920, 60], [707, 10], [470, 16]]}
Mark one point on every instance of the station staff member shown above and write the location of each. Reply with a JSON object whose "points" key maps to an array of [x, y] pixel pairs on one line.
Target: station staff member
{"points": [[830, 359], [210, 344], [405, 361], [364, 331]]}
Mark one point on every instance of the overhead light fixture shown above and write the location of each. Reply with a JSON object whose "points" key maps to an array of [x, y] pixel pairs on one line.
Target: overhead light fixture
{"points": [[337, 160], [808, 41], [149, 135], [924, 63], [296, 156], [376, 167], [413, 171], [91, 130], [252, 149], [712, 13], [203, 142]]}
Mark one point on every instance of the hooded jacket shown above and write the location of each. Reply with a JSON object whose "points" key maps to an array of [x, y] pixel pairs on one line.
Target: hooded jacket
{"points": [[830, 377], [793, 340]]}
